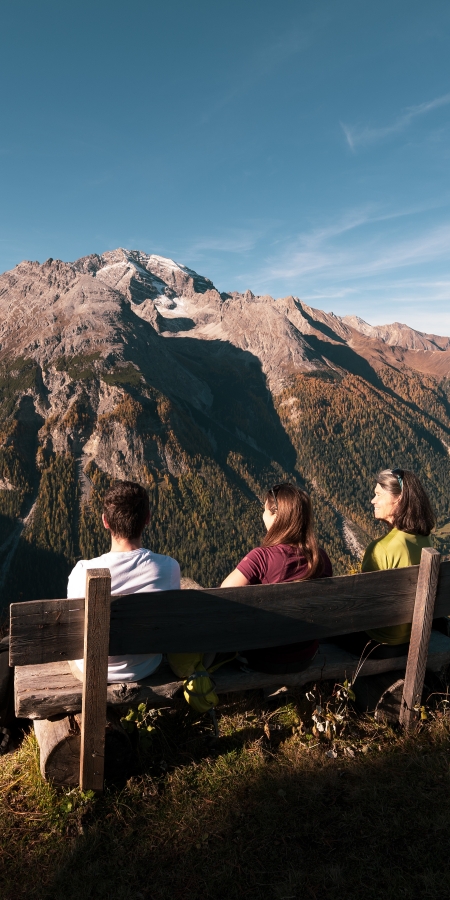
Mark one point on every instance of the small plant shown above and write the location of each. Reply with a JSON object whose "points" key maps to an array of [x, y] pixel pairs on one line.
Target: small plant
{"points": [[139, 722], [330, 716], [77, 799]]}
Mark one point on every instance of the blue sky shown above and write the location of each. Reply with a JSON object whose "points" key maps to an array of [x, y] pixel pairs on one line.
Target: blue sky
{"points": [[297, 146]]}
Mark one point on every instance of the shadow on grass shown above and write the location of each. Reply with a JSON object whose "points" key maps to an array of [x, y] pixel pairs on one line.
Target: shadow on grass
{"points": [[247, 818]]}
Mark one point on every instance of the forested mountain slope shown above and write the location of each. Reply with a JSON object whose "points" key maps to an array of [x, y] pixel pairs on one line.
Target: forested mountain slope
{"points": [[132, 366]]}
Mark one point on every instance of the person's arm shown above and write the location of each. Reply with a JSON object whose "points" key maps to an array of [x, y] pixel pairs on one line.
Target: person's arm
{"points": [[249, 570], [235, 579]]}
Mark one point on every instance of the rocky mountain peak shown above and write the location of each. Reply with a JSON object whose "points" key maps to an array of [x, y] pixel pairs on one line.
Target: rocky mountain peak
{"points": [[126, 302], [399, 335]]}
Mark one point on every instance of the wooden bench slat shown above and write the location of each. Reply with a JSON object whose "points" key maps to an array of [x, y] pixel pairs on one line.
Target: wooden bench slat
{"points": [[51, 689], [262, 615]]}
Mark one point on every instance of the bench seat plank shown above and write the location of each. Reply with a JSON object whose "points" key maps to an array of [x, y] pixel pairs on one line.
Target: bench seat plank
{"points": [[51, 689]]}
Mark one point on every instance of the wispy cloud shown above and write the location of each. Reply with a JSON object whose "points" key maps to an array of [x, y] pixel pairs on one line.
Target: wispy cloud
{"points": [[357, 136], [363, 262], [357, 264]]}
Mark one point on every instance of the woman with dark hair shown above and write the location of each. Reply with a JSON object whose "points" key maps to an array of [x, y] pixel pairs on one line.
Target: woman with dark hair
{"points": [[401, 502], [289, 552]]}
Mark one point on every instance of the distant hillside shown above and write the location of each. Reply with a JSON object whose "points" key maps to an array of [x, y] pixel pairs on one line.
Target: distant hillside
{"points": [[132, 366]]}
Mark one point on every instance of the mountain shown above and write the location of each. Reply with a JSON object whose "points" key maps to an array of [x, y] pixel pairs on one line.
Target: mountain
{"points": [[128, 365]]}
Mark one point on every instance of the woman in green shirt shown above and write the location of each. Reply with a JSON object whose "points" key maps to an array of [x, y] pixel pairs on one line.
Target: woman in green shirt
{"points": [[402, 503]]}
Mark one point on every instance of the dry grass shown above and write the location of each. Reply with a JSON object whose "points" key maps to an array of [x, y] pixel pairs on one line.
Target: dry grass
{"points": [[261, 813]]}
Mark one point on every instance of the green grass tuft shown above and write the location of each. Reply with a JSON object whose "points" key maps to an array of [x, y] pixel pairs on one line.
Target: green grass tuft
{"points": [[121, 375]]}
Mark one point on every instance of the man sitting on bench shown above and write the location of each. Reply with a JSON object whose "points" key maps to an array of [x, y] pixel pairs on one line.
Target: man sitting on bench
{"points": [[134, 570]]}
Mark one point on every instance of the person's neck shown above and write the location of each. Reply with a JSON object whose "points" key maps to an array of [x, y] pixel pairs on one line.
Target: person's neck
{"points": [[124, 545]]}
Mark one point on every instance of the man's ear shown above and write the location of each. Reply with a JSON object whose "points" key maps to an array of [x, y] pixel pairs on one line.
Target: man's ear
{"points": [[105, 523]]}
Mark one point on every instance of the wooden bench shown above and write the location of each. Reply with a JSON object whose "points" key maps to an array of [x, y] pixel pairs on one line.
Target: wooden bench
{"points": [[45, 634]]}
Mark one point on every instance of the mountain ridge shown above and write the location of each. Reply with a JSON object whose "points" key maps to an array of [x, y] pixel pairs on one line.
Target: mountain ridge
{"points": [[130, 365], [90, 293]]}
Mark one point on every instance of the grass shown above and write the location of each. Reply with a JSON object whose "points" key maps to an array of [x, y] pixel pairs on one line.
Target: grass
{"points": [[127, 374], [263, 812], [78, 368]]}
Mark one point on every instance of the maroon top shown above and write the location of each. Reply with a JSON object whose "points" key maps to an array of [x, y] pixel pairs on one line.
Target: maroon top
{"points": [[283, 562]]}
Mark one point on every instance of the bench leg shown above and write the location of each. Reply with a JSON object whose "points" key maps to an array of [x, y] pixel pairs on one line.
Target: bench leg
{"points": [[420, 635], [95, 674]]}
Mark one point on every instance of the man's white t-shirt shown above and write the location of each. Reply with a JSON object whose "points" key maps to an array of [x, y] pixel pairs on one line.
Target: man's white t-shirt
{"points": [[132, 572]]}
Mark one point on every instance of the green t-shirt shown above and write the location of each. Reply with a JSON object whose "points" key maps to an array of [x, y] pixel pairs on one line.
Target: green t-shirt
{"points": [[394, 551]]}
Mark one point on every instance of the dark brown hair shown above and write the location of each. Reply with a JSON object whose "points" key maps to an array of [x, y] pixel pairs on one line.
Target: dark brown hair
{"points": [[126, 509], [293, 524], [413, 514]]}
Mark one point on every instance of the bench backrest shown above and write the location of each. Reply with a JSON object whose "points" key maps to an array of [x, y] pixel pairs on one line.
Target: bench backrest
{"points": [[43, 631], [223, 619]]}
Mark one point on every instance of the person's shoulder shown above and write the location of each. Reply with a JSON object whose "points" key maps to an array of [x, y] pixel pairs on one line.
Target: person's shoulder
{"points": [[76, 582], [99, 562], [160, 562], [254, 563], [81, 566], [376, 555], [159, 559], [421, 540], [280, 550], [259, 553], [96, 563]]}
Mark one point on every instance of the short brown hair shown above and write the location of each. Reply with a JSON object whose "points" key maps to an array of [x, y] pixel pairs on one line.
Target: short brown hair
{"points": [[414, 513], [293, 524], [126, 509]]}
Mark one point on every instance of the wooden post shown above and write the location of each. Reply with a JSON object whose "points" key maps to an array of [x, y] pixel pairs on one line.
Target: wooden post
{"points": [[420, 635], [59, 747], [95, 673]]}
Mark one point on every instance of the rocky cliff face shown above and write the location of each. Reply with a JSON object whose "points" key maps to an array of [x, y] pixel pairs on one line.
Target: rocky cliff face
{"points": [[99, 304], [134, 366]]}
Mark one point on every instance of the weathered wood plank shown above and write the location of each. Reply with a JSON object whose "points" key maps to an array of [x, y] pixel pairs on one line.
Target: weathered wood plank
{"points": [[420, 634], [219, 619], [51, 689], [95, 671], [55, 628]]}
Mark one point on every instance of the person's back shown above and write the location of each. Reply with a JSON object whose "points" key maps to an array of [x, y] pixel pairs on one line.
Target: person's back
{"points": [[133, 570], [401, 503], [289, 552], [394, 550]]}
